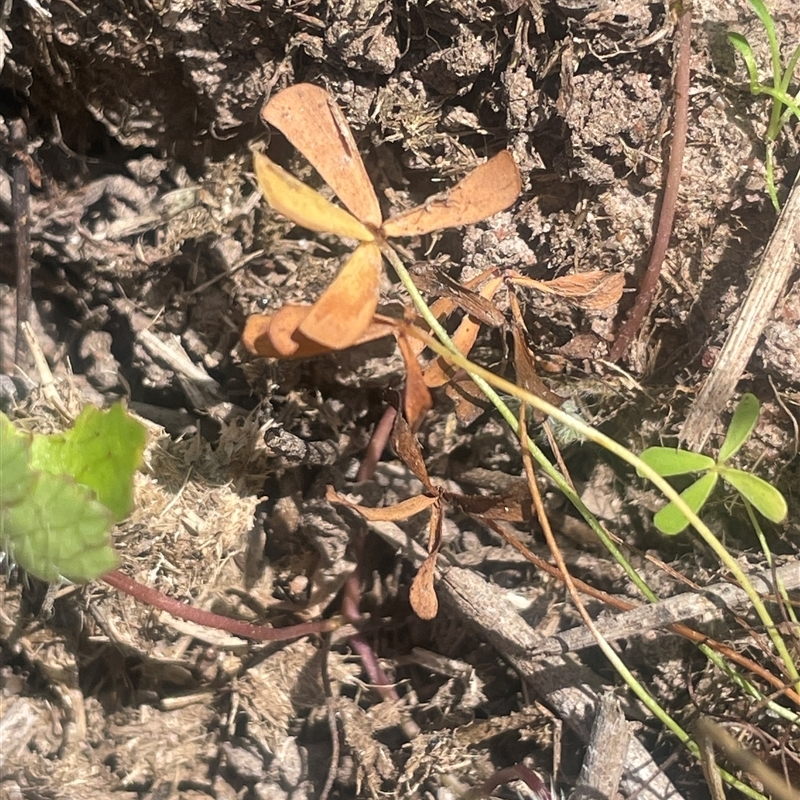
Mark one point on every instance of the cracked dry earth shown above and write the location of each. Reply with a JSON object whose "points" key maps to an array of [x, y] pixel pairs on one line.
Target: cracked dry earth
{"points": [[149, 247]]}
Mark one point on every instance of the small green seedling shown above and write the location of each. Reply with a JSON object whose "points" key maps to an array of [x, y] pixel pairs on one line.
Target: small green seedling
{"points": [[667, 461], [785, 105], [61, 494]]}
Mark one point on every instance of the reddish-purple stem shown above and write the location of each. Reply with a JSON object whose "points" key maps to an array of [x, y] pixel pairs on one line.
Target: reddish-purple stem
{"points": [[377, 443], [351, 600], [649, 284], [261, 633], [519, 772]]}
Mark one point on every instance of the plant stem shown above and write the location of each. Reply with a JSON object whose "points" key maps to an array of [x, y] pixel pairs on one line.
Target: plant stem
{"points": [[261, 633], [649, 285]]}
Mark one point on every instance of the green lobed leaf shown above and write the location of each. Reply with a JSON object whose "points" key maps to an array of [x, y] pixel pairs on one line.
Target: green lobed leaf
{"points": [[101, 451], [59, 530], [670, 520], [15, 476], [668, 461], [743, 421], [762, 495]]}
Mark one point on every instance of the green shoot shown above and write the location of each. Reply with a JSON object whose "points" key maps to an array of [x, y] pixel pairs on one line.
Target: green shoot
{"points": [[667, 461], [61, 494], [784, 105]]}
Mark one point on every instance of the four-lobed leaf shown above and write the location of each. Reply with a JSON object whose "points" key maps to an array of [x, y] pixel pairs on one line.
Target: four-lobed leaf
{"points": [[310, 119], [668, 462]]}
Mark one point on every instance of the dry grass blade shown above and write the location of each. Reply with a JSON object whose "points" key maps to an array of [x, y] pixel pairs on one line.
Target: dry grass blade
{"points": [[345, 309], [439, 372], [488, 189], [303, 205], [310, 119]]}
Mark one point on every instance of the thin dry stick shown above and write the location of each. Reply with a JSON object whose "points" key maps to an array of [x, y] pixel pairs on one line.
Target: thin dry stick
{"points": [[649, 284], [604, 761], [625, 605], [774, 271], [20, 204]]}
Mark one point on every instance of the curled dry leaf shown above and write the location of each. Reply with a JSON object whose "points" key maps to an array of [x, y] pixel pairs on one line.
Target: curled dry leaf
{"points": [[417, 400], [394, 513], [590, 290], [440, 371]]}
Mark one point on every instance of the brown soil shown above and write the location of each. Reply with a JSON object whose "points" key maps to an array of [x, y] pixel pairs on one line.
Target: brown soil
{"points": [[146, 227]]}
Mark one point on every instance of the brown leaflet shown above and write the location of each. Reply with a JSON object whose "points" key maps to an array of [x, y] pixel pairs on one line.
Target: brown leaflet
{"points": [[395, 513], [488, 189], [304, 205], [593, 291], [310, 119], [417, 400], [276, 335], [422, 594], [513, 505], [470, 402], [407, 447], [344, 310], [527, 376], [475, 304]]}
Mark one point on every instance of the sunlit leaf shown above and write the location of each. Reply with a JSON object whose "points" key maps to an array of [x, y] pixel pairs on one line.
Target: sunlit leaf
{"points": [[344, 311], [488, 189], [672, 521], [763, 496], [438, 283], [668, 461], [407, 447], [303, 205], [744, 420], [746, 52], [101, 451], [15, 474], [440, 371], [59, 530], [310, 119]]}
